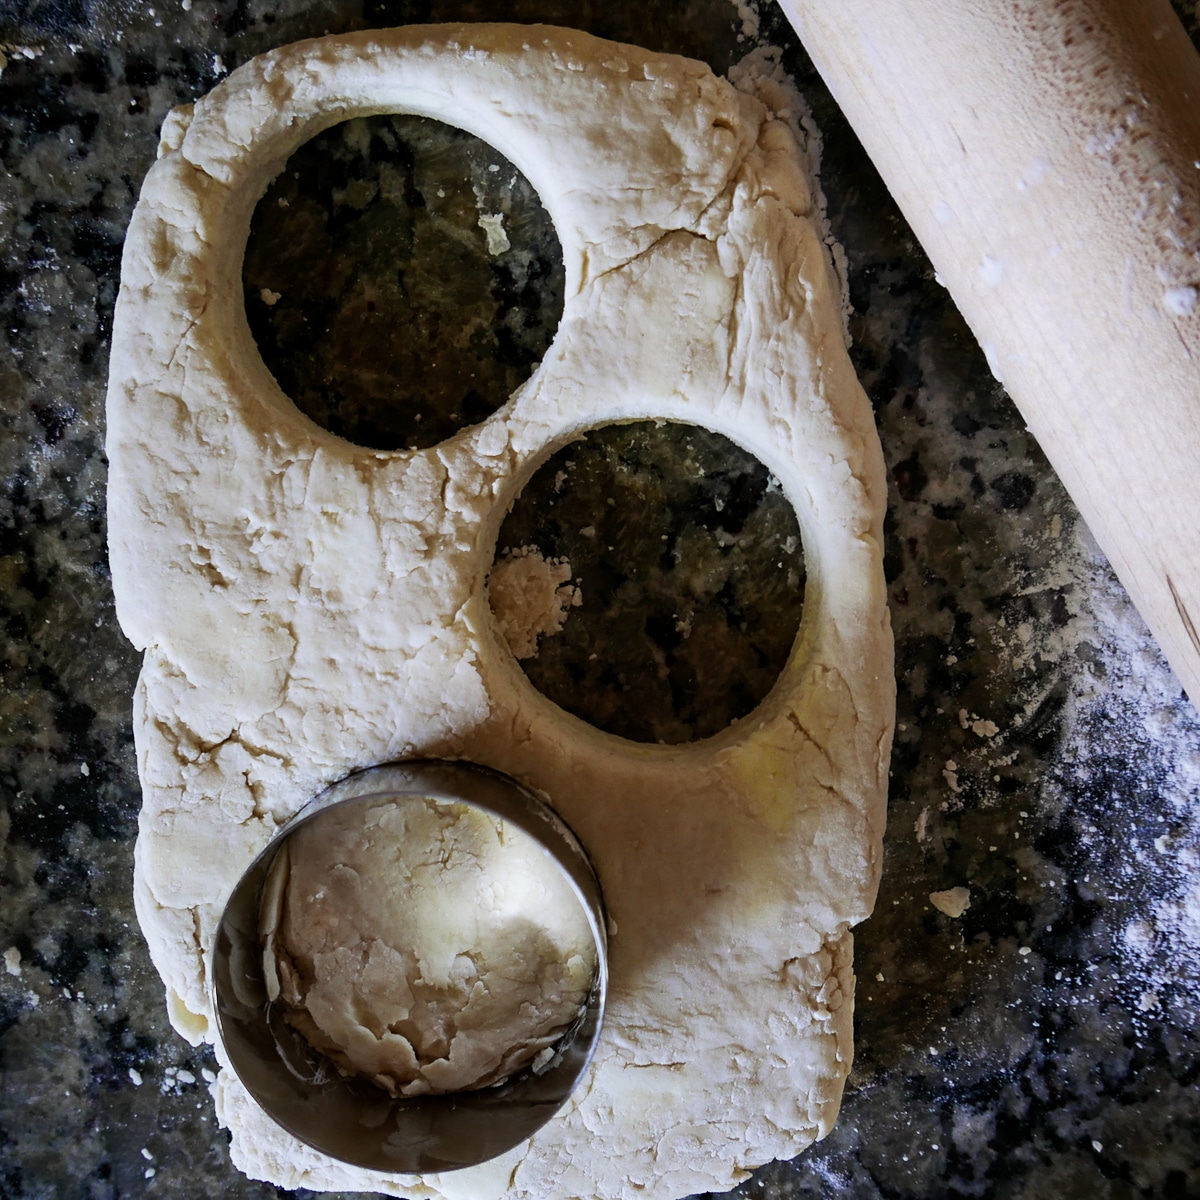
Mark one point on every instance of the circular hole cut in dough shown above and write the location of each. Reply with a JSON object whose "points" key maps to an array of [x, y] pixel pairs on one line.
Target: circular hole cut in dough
{"points": [[650, 580], [401, 280]]}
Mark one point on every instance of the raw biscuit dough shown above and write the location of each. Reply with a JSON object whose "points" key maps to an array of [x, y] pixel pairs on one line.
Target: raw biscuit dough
{"points": [[307, 607], [424, 944], [530, 597]]}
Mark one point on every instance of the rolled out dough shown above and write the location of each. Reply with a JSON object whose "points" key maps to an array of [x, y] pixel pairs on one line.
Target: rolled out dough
{"points": [[307, 607]]}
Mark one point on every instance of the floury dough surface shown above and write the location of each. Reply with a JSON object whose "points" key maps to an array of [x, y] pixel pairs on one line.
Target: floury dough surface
{"points": [[424, 944], [307, 607]]}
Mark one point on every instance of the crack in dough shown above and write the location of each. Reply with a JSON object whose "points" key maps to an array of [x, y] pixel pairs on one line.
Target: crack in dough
{"points": [[352, 627]]}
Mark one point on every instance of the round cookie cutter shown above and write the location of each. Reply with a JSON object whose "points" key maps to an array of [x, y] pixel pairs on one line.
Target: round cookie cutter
{"points": [[350, 1118]]}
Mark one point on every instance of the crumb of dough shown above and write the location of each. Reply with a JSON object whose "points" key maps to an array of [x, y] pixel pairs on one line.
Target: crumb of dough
{"points": [[531, 597], [492, 225], [921, 825], [424, 944], [953, 901]]}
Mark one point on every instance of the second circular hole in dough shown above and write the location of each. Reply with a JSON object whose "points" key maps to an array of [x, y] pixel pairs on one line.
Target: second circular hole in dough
{"points": [[650, 580]]}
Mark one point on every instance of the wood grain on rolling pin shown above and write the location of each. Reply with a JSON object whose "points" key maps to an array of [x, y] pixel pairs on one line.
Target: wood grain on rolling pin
{"points": [[1047, 155]]}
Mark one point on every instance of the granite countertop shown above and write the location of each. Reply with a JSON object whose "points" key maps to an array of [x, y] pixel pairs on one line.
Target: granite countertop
{"points": [[1042, 1043]]}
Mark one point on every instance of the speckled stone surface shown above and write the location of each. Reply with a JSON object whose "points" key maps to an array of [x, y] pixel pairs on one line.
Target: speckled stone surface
{"points": [[1042, 1044]]}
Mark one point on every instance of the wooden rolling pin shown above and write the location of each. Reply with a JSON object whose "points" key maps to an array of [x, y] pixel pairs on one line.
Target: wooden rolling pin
{"points": [[1047, 155]]}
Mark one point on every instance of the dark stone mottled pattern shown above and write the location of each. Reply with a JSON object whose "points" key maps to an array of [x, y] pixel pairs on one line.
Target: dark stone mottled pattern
{"points": [[371, 289], [1042, 1045]]}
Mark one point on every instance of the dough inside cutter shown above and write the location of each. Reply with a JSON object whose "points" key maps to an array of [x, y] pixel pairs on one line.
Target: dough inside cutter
{"points": [[425, 944]]}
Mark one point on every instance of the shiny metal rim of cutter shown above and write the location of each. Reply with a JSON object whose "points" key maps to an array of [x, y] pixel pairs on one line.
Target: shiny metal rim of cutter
{"points": [[351, 1119]]}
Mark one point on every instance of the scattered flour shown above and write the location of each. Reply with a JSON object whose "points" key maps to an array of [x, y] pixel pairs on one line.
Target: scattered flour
{"points": [[747, 11], [979, 726], [1126, 775], [950, 775], [921, 825]]}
